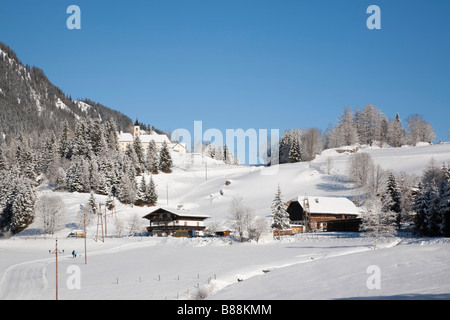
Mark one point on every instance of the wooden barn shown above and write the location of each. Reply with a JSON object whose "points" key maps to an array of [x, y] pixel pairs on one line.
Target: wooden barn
{"points": [[165, 222], [314, 213]]}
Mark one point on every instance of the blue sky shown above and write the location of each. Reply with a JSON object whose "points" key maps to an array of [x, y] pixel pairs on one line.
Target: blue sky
{"points": [[241, 64]]}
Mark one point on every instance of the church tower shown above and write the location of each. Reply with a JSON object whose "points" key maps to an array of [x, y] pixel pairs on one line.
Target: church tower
{"points": [[136, 130]]}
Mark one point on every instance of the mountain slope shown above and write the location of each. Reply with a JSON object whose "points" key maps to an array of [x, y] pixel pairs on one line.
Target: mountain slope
{"points": [[29, 102]]}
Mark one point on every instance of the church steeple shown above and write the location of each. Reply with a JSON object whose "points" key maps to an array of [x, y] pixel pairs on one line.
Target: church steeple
{"points": [[136, 130]]}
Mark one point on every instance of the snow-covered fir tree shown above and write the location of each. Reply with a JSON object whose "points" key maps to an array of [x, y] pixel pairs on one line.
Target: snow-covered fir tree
{"points": [[295, 154], [151, 197], [433, 217], [152, 159], [140, 194], [139, 151], [396, 135], [110, 203], [392, 197], [165, 159], [444, 203], [23, 206], [3, 162], [280, 215], [93, 205], [127, 189], [65, 144]]}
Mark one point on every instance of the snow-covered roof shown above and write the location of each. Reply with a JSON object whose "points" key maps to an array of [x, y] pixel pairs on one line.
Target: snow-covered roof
{"points": [[180, 213], [158, 138], [330, 205], [145, 138]]}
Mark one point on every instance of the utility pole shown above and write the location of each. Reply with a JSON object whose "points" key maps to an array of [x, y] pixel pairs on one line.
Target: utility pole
{"points": [[85, 247], [56, 255], [106, 226], [100, 222]]}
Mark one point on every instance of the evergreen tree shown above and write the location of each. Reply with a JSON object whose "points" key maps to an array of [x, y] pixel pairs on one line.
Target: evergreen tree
{"points": [[77, 178], [140, 195], [444, 203], [151, 196], [93, 205], [111, 135], [64, 144], [295, 152], [110, 203], [102, 187], [228, 156], [396, 135], [126, 189], [137, 146], [165, 159], [61, 181], [432, 215], [132, 157], [17, 202], [420, 206], [81, 143], [3, 163], [218, 153], [152, 161], [279, 213], [394, 195], [49, 151]]}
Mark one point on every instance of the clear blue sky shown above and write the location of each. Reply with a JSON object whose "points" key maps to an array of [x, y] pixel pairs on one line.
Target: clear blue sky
{"points": [[241, 63]]}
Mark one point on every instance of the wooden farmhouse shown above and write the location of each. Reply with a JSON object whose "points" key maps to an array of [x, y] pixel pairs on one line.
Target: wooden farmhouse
{"points": [[165, 222], [323, 213]]}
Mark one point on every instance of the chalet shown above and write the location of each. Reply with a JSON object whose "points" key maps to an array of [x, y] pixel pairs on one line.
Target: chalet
{"points": [[165, 222], [318, 212]]}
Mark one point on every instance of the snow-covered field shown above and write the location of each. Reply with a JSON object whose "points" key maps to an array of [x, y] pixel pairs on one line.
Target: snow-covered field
{"points": [[319, 266]]}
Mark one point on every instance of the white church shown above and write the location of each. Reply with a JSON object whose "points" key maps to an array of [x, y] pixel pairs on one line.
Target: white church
{"points": [[125, 139]]}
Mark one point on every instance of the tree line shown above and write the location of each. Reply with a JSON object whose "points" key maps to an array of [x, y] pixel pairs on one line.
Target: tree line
{"points": [[366, 126]]}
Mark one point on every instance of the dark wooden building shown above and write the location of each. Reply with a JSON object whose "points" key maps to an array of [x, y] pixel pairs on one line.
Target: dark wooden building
{"points": [[317, 212], [165, 222]]}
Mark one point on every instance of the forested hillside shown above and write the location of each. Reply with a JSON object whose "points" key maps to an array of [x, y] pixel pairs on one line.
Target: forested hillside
{"points": [[29, 102]]}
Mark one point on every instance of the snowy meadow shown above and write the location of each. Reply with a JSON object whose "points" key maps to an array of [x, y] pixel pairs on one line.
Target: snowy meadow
{"points": [[305, 266]]}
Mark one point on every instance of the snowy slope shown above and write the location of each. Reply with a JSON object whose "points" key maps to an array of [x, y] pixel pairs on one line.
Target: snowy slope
{"points": [[312, 267]]}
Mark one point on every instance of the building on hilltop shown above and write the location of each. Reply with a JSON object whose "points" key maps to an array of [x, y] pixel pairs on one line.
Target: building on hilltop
{"points": [[124, 139]]}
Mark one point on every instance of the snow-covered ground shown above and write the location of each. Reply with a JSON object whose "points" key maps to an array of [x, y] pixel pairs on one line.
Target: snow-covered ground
{"points": [[321, 266]]}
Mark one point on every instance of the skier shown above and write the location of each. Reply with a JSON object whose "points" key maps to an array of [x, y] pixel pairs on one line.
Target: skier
{"points": [[74, 253]]}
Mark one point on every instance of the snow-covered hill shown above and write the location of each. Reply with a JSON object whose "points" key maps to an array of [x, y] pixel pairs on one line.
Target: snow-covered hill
{"points": [[305, 267]]}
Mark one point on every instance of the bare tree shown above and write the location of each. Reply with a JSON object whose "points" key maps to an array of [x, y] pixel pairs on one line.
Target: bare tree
{"points": [[329, 165], [378, 223], [359, 168], [240, 217], [312, 143], [50, 212], [376, 180], [259, 227], [135, 225], [419, 130]]}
